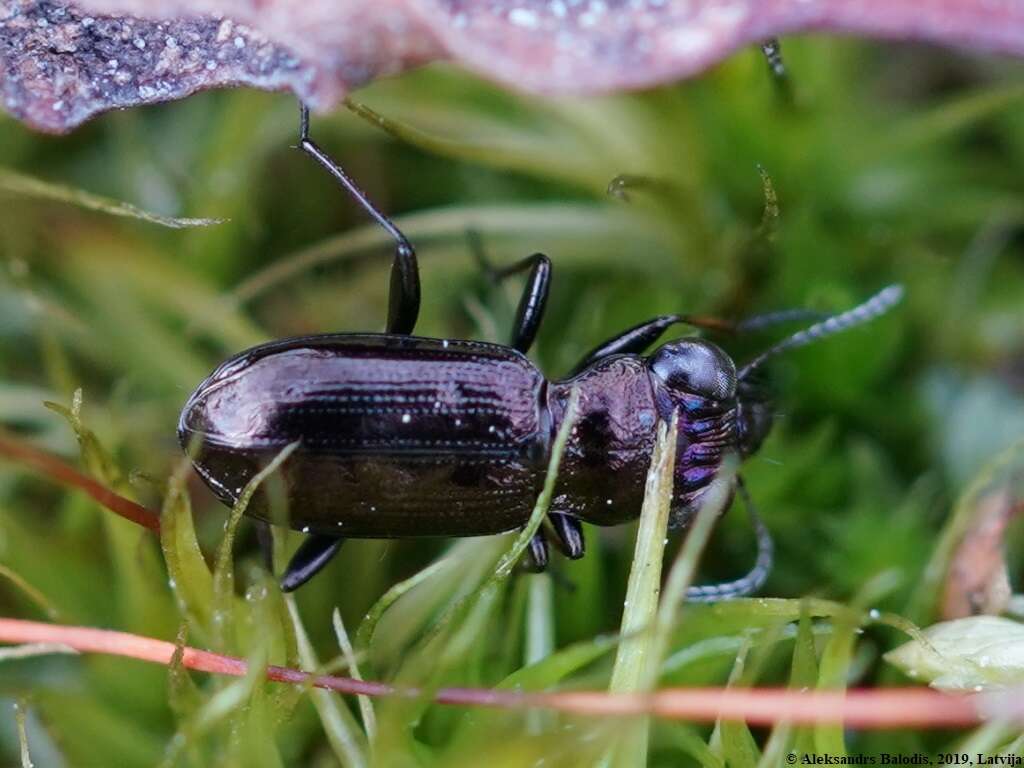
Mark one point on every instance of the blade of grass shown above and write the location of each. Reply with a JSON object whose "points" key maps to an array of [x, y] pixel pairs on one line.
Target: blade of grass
{"points": [[19, 717], [341, 728], [190, 577], [559, 220], [540, 635], [630, 673], [33, 594], [365, 705], [223, 570], [20, 184]]}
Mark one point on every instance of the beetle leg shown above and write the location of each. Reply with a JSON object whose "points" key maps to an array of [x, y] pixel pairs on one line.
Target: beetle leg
{"points": [[634, 340], [639, 337], [568, 534], [727, 590], [537, 553], [311, 556], [404, 296], [530, 311]]}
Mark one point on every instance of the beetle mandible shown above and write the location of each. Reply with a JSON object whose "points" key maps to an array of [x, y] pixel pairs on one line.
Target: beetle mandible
{"points": [[402, 436]]}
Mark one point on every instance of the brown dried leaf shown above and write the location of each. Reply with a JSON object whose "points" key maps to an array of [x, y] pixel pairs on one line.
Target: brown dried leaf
{"points": [[977, 580], [62, 63]]}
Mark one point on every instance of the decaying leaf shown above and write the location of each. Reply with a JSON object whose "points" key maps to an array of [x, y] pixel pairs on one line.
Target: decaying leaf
{"points": [[966, 654], [977, 580], [61, 63]]}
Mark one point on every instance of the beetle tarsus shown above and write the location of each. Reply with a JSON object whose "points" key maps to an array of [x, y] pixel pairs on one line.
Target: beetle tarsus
{"points": [[536, 560], [309, 559], [568, 534], [404, 301]]}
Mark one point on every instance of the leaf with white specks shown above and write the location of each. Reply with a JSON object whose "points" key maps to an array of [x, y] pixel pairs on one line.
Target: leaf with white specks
{"points": [[61, 63]]}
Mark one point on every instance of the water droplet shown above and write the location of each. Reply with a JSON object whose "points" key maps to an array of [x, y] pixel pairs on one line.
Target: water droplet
{"points": [[875, 614], [305, 529]]}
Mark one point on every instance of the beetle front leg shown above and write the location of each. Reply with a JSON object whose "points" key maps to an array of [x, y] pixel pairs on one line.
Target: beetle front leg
{"points": [[639, 337], [404, 297], [309, 559], [756, 577]]}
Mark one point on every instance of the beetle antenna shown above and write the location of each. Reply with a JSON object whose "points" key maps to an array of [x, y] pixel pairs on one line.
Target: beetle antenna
{"points": [[874, 307], [727, 590]]}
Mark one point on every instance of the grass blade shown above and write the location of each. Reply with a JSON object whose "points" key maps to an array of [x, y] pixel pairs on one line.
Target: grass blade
{"points": [[340, 727], [365, 705], [633, 661], [20, 184]]}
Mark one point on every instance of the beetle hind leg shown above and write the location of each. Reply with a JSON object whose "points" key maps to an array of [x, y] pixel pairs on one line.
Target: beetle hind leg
{"points": [[404, 299], [309, 559]]}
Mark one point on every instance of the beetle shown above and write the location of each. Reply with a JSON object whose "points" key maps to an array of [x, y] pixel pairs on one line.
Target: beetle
{"points": [[403, 436]]}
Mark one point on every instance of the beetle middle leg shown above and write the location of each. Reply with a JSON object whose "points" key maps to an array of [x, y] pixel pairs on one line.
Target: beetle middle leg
{"points": [[531, 307], [404, 295], [309, 559]]}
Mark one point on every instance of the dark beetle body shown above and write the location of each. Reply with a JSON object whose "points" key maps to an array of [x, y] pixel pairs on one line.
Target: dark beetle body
{"points": [[402, 436], [396, 435]]}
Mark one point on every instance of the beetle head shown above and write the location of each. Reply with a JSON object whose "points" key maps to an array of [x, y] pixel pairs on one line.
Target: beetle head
{"points": [[690, 368]]}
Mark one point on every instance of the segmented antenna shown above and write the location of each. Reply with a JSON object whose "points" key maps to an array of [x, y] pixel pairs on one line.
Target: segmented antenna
{"points": [[727, 590], [877, 305]]}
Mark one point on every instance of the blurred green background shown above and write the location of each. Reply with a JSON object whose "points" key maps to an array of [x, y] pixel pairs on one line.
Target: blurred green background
{"points": [[890, 163]]}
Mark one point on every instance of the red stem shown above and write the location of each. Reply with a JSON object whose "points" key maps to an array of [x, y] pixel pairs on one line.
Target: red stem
{"points": [[57, 469], [879, 708]]}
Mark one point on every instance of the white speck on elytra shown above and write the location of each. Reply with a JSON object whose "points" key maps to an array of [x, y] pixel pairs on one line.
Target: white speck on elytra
{"points": [[406, 418], [458, 422], [444, 343]]}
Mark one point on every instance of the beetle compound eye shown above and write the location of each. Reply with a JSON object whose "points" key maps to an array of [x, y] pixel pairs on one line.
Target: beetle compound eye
{"points": [[695, 366]]}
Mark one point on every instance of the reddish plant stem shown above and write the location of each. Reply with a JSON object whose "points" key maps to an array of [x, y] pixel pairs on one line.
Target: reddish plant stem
{"points": [[63, 473], [879, 708]]}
